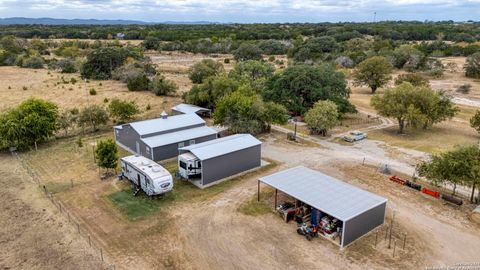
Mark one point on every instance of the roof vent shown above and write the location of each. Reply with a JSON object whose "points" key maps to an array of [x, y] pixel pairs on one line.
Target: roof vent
{"points": [[164, 115]]}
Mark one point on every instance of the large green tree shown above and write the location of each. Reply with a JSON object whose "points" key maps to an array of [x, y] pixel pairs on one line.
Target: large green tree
{"points": [[103, 61], [204, 69], [214, 88], [417, 106], [300, 86], [256, 73], [322, 117], [458, 166], [373, 72], [33, 121], [245, 111]]}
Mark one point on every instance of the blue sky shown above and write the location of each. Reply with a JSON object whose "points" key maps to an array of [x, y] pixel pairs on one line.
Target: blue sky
{"points": [[247, 11]]}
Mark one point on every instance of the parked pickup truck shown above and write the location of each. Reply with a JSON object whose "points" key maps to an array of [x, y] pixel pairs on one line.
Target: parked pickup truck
{"points": [[355, 136]]}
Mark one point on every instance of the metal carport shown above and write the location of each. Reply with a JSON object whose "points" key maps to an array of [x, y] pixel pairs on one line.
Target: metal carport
{"points": [[359, 210]]}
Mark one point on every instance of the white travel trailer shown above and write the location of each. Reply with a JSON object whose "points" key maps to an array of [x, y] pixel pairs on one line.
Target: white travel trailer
{"points": [[147, 175], [189, 166]]}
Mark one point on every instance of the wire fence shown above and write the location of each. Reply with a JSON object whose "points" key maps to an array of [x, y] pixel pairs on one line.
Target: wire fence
{"points": [[72, 219]]}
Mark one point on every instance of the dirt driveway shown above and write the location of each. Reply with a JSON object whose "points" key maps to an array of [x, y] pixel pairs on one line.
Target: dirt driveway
{"points": [[216, 236]]}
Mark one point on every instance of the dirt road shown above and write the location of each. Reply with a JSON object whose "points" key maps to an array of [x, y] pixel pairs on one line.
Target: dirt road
{"points": [[216, 236], [33, 235]]}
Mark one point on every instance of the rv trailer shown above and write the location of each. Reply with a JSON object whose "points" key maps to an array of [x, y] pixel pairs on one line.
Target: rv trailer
{"points": [[146, 175]]}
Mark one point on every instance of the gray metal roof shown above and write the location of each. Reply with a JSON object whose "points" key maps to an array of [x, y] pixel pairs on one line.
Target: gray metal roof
{"points": [[222, 146], [171, 122], [178, 136], [329, 195], [189, 108]]}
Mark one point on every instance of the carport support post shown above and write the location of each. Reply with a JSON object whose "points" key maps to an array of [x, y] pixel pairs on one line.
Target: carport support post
{"points": [[275, 202], [258, 190]]}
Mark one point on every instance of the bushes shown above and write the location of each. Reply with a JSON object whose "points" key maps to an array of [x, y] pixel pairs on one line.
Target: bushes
{"points": [[412, 78], [161, 86], [35, 62], [472, 67], [247, 52], [122, 110], [67, 65], [204, 69], [464, 89], [102, 61], [139, 83]]}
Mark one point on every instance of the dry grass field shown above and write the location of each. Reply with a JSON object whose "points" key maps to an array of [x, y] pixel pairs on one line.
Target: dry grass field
{"points": [[220, 227]]}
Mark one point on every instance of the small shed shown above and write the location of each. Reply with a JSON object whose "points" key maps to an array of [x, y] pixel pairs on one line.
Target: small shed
{"points": [[358, 210], [160, 138], [209, 162], [184, 108]]}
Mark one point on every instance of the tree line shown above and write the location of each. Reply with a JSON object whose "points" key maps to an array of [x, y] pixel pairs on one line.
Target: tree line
{"points": [[395, 30]]}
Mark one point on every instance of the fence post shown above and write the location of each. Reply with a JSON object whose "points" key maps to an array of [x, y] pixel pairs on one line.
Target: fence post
{"points": [[89, 241], [101, 253], [376, 238], [404, 240], [394, 245]]}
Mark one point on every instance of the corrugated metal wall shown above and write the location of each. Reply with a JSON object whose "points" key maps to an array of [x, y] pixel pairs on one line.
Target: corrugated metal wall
{"points": [[171, 150], [230, 164], [363, 223]]}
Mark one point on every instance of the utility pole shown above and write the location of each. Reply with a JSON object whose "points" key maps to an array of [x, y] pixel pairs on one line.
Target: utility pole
{"points": [[374, 17]]}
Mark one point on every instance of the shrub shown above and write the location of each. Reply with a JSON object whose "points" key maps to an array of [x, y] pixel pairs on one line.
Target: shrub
{"points": [[138, 83], [162, 86], [67, 66], [122, 110], [128, 72], [106, 154], [92, 91], [464, 89], [35, 62], [247, 52], [472, 67], [226, 60], [412, 78]]}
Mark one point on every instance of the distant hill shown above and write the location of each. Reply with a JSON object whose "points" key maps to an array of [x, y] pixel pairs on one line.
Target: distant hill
{"points": [[52, 21]]}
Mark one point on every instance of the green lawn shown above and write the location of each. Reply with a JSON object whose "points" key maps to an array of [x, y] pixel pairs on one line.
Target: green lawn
{"points": [[135, 208]]}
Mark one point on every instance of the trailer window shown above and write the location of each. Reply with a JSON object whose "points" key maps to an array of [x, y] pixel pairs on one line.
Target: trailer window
{"points": [[183, 165], [148, 150], [180, 145], [192, 142]]}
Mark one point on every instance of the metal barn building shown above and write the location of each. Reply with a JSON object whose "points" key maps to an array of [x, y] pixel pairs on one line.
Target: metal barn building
{"points": [[358, 210], [184, 108], [160, 138], [218, 159]]}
